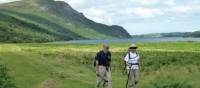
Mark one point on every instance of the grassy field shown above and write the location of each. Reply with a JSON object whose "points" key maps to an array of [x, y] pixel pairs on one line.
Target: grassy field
{"points": [[165, 65]]}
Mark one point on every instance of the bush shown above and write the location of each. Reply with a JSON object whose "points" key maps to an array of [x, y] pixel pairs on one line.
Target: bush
{"points": [[169, 83], [5, 80]]}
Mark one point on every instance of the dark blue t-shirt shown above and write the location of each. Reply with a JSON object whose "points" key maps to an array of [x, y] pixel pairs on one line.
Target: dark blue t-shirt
{"points": [[103, 58]]}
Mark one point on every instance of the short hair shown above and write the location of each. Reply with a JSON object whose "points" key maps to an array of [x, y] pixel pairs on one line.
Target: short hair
{"points": [[106, 46]]}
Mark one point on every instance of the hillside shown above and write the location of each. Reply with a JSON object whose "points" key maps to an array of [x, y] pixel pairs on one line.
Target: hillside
{"points": [[195, 34], [172, 34], [48, 20]]}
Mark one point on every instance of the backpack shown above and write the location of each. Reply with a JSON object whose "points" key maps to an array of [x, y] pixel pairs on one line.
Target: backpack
{"points": [[129, 55], [129, 58]]}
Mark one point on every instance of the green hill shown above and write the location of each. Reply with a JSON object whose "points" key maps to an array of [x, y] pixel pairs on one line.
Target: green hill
{"points": [[195, 34], [48, 20]]}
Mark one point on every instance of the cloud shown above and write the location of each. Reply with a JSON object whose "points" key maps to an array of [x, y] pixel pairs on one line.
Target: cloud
{"points": [[179, 9], [98, 15], [155, 2], [170, 3], [6, 1], [182, 9], [143, 12], [145, 1], [147, 13]]}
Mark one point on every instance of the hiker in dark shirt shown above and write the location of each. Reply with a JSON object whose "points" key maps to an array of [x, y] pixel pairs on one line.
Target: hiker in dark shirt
{"points": [[103, 67]]}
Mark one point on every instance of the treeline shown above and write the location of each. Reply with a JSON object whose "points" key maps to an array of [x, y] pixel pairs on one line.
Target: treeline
{"points": [[173, 34]]}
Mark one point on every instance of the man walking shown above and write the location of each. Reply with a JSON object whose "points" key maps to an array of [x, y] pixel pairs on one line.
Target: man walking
{"points": [[133, 65], [103, 67]]}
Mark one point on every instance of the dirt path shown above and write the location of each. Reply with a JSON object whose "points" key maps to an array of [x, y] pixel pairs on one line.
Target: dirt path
{"points": [[50, 83]]}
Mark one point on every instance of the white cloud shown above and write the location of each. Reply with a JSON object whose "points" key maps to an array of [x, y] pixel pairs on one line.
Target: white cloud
{"points": [[145, 1], [98, 15], [195, 1], [155, 2], [143, 12], [180, 9], [170, 3], [6, 1]]}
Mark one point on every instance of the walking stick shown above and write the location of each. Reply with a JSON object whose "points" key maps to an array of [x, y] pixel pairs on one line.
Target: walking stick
{"points": [[128, 77]]}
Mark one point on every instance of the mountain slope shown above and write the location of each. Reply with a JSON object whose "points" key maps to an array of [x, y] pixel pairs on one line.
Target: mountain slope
{"points": [[48, 20], [194, 34]]}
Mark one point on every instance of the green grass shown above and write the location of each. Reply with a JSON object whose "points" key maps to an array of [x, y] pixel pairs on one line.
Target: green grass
{"points": [[165, 65]]}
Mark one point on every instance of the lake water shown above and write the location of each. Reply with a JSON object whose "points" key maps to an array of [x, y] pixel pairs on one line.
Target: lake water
{"points": [[131, 40]]}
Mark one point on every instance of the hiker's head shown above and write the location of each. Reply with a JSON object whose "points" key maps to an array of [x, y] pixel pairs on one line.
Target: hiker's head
{"points": [[133, 48], [105, 47]]}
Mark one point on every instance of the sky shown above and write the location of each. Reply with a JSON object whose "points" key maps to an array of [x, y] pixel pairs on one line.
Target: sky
{"points": [[142, 16]]}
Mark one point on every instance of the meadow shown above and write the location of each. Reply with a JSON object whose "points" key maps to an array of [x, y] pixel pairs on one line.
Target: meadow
{"points": [[164, 64]]}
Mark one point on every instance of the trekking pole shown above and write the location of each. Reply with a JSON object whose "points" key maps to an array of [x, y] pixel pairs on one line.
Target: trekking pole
{"points": [[124, 69], [128, 77]]}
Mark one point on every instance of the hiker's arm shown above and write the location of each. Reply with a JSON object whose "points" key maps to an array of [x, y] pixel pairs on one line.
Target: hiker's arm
{"points": [[126, 61], [110, 64], [128, 64], [97, 66], [97, 62]]}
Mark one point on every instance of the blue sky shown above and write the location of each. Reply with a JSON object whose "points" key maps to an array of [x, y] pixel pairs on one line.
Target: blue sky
{"points": [[142, 16]]}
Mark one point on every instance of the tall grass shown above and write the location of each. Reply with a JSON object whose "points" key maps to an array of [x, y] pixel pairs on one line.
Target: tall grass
{"points": [[165, 65]]}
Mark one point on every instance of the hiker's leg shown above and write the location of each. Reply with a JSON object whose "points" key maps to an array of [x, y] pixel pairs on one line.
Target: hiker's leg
{"points": [[137, 75], [132, 79], [109, 79], [100, 78]]}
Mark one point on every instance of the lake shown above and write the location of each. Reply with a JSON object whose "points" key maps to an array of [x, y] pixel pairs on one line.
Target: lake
{"points": [[131, 40]]}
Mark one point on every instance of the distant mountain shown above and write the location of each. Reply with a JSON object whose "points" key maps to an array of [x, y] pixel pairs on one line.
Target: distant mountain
{"points": [[194, 34], [49, 20], [173, 34]]}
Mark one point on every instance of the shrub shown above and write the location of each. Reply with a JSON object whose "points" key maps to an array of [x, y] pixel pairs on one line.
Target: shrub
{"points": [[5, 80], [169, 83]]}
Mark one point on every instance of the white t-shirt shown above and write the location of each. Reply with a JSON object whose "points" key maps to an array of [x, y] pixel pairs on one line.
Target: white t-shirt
{"points": [[134, 58]]}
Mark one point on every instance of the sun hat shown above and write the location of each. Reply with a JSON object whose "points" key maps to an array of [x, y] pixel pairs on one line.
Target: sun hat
{"points": [[133, 46]]}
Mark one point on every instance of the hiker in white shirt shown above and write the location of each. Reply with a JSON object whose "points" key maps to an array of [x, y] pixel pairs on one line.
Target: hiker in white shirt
{"points": [[133, 65]]}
